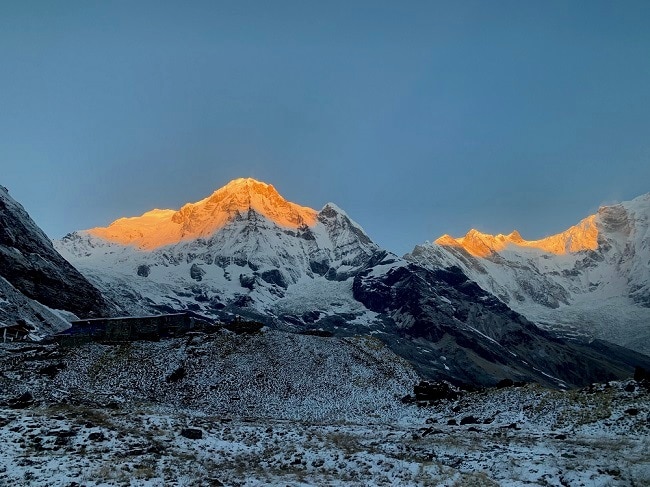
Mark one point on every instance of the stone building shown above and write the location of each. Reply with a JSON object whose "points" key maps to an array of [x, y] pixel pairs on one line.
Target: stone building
{"points": [[131, 328]]}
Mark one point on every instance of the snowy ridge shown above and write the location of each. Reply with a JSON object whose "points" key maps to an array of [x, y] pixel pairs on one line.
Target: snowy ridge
{"points": [[563, 281]]}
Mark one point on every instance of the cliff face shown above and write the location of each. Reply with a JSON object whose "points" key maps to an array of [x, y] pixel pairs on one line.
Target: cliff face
{"points": [[31, 266]]}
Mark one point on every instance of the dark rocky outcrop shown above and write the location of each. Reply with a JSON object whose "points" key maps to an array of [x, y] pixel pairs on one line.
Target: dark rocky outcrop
{"points": [[143, 270], [30, 263], [434, 391], [469, 420], [197, 272], [192, 433], [641, 374], [451, 329], [21, 402]]}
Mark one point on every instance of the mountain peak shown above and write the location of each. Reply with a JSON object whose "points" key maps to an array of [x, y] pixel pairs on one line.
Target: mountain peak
{"points": [[247, 185], [583, 236], [157, 228]]}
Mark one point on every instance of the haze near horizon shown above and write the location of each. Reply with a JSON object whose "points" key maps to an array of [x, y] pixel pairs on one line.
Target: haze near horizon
{"points": [[419, 120]]}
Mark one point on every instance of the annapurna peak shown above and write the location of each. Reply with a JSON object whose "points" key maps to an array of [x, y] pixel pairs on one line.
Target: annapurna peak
{"points": [[160, 227]]}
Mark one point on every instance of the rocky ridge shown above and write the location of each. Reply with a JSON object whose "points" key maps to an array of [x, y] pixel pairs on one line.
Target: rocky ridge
{"points": [[34, 279]]}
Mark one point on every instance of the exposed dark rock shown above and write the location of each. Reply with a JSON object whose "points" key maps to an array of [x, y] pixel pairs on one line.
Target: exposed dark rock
{"points": [[30, 263], [641, 374], [630, 387], [197, 272], [429, 431], [311, 316], [247, 281], [632, 411], [143, 270], [274, 276], [505, 383], [52, 370], [97, 436], [23, 401], [68, 433], [177, 375], [192, 433], [408, 399], [434, 391], [469, 420], [319, 268], [136, 452], [452, 422]]}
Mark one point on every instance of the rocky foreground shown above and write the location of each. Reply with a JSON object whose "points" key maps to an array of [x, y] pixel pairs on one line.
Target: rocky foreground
{"points": [[200, 411]]}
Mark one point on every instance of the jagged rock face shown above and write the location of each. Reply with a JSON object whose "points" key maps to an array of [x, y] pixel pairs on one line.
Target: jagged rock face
{"points": [[456, 330], [593, 279], [31, 265]]}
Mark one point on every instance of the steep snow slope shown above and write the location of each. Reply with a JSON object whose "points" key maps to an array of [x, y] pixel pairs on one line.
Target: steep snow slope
{"points": [[593, 279], [34, 277], [267, 259]]}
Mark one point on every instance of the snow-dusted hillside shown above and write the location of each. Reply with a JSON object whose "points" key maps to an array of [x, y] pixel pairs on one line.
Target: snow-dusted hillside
{"points": [[35, 280], [281, 409], [593, 279]]}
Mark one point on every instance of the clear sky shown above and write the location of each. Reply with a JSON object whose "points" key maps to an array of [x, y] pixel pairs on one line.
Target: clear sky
{"points": [[417, 118]]}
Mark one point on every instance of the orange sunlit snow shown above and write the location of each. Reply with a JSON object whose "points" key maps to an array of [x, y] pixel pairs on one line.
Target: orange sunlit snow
{"points": [[583, 236], [158, 228]]}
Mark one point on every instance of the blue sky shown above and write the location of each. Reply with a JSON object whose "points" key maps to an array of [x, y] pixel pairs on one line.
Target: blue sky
{"points": [[417, 118]]}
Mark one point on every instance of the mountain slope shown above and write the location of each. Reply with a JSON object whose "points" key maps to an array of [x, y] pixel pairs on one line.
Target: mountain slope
{"points": [[297, 269], [34, 277], [593, 279]]}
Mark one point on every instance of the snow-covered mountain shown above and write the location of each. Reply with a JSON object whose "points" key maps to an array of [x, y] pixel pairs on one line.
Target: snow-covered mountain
{"points": [[245, 250], [592, 279], [36, 283], [244, 246]]}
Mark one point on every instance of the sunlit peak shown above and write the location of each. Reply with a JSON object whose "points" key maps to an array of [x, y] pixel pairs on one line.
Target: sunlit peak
{"points": [[157, 228], [583, 236]]}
